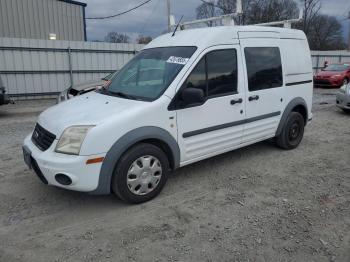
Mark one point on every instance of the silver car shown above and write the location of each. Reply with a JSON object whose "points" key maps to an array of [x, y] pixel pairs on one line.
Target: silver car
{"points": [[343, 98]]}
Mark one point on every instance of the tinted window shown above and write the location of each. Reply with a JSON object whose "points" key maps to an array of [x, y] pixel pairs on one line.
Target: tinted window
{"points": [[197, 78], [215, 73], [264, 67], [222, 72]]}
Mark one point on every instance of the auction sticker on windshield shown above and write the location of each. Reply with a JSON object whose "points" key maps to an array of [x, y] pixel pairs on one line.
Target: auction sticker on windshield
{"points": [[177, 60]]}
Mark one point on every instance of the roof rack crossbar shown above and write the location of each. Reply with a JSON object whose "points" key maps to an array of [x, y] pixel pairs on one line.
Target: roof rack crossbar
{"points": [[228, 19]]}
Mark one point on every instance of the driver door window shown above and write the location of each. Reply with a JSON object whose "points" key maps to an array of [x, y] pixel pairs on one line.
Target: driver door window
{"points": [[215, 74]]}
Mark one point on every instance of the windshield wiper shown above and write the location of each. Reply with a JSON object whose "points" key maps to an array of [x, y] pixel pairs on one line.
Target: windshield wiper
{"points": [[103, 90], [123, 95]]}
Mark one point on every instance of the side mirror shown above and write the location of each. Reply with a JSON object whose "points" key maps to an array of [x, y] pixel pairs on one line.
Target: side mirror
{"points": [[192, 96]]}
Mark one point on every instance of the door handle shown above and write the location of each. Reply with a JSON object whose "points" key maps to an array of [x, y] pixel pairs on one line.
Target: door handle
{"points": [[236, 101], [251, 98]]}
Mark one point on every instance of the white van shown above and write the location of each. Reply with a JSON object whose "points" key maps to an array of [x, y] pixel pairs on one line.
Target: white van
{"points": [[183, 98]]}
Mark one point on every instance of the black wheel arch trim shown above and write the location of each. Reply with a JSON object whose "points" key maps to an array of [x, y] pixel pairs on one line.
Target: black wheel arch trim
{"points": [[124, 143], [298, 101]]}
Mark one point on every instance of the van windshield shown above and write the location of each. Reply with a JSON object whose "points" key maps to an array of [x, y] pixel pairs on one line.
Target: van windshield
{"points": [[149, 73]]}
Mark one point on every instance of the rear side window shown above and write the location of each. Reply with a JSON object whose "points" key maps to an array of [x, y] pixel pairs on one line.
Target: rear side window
{"points": [[264, 67], [215, 74]]}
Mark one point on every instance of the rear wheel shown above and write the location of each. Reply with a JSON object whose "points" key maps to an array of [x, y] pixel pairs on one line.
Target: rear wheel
{"points": [[346, 110], [345, 82], [292, 132], [141, 173]]}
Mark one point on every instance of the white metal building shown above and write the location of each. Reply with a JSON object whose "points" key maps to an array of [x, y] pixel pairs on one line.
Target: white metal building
{"points": [[43, 19]]}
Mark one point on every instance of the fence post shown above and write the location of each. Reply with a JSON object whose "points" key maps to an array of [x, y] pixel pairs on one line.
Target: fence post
{"points": [[70, 66], [317, 62]]}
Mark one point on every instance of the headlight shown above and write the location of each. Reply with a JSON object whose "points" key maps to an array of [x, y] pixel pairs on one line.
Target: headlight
{"points": [[72, 139]]}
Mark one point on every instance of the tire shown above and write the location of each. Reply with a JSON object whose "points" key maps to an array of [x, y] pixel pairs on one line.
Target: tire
{"points": [[292, 132], [346, 110], [141, 173], [345, 81]]}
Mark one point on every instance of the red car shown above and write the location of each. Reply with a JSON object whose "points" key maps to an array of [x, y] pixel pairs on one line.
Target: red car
{"points": [[334, 75]]}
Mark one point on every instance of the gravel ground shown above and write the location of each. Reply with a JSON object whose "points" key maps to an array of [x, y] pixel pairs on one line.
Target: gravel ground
{"points": [[258, 203]]}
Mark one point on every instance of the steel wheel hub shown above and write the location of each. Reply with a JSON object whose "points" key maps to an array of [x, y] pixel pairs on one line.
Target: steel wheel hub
{"points": [[294, 131], [144, 175]]}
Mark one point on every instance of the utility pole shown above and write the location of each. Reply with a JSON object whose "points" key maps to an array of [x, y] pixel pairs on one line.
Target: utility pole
{"points": [[239, 11], [349, 32], [168, 14]]}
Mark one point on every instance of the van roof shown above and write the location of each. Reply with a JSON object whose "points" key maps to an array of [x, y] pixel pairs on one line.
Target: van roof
{"points": [[209, 36]]}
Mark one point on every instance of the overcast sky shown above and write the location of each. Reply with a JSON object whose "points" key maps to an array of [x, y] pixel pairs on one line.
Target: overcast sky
{"points": [[150, 19]]}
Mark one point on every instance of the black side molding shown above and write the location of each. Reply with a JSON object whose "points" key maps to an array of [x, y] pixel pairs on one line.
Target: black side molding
{"points": [[299, 83], [231, 124]]}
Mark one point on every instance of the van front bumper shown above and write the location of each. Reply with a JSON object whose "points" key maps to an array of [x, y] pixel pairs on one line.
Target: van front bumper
{"points": [[53, 168]]}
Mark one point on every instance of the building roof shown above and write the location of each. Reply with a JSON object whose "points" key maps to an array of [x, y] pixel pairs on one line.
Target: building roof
{"points": [[74, 2]]}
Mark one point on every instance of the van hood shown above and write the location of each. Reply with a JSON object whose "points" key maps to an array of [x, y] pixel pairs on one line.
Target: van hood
{"points": [[88, 109]]}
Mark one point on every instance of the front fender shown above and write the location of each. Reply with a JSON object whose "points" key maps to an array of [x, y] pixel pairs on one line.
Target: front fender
{"points": [[123, 144]]}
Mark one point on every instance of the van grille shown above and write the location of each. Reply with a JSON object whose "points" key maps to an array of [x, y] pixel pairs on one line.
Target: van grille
{"points": [[42, 138]]}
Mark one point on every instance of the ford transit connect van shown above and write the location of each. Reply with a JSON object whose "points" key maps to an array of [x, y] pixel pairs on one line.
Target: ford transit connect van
{"points": [[183, 98]]}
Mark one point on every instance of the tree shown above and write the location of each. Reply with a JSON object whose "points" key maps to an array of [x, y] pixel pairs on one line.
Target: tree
{"points": [[254, 11], [114, 37], [271, 10], [143, 39], [229, 7], [206, 10], [310, 12], [325, 33]]}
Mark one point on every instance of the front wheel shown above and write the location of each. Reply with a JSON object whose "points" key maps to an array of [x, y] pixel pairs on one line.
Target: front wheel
{"points": [[141, 173], [292, 132]]}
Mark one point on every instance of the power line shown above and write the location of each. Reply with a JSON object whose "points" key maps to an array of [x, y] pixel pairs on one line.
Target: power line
{"points": [[122, 13]]}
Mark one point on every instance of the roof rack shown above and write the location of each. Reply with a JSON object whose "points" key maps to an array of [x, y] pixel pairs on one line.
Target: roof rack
{"points": [[228, 19], [285, 23]]}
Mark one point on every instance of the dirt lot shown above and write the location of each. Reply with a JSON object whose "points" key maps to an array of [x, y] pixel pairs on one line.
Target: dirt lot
{"points": [[259, 203]]}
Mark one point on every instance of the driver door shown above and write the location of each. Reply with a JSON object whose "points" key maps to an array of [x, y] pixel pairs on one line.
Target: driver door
{"points": [[216, 125]]}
